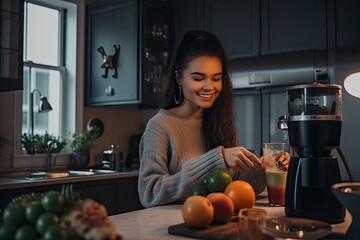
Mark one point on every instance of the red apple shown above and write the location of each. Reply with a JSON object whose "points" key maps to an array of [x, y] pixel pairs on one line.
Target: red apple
{"points": [[223, 207]]}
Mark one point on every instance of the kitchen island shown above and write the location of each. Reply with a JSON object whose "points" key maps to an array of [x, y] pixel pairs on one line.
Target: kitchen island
{"points": [[153, 223]]}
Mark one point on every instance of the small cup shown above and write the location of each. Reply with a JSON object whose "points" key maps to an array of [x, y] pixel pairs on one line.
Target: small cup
{"points": [[251, 223], [275, 171]]}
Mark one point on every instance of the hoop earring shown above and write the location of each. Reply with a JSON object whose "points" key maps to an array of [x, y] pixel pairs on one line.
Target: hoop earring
{"points": [[177, 101]]}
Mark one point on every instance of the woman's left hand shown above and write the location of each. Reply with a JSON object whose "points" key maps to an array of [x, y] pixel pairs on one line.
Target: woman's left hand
{"points": [[284, 160]]}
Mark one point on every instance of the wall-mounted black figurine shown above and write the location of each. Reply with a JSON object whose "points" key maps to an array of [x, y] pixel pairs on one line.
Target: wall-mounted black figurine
{"points": [[109, 61]]}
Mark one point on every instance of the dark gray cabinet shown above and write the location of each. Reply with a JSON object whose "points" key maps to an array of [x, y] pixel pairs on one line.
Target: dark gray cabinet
{"points": [[237, 24], [345, 23], [144, 31], [292, 25], [249, 120], [192, 15], [117, 195], [258, 27], [11, 45], [112, 25], [258, 112]]}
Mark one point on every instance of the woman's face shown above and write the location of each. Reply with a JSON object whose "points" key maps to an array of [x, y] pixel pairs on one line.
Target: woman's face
{"points": [[202, 82]]}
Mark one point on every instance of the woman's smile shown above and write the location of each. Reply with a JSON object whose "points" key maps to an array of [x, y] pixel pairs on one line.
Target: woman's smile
{"points": [[206, 96]]}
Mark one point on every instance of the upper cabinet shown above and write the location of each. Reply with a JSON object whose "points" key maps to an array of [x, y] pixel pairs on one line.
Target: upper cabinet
{"points": [[237, 25], [344, 23], [11, 44], [260, 27], [157, 43], [192, 15], [129, 44], [112, 67], [292, 25]]}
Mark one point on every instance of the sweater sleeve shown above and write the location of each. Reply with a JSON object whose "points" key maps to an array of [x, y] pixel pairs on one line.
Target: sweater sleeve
{"points": [[157, 186]]}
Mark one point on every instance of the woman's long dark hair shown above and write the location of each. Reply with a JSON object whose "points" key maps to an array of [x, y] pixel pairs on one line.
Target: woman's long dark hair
{"points": [[218, 126]]}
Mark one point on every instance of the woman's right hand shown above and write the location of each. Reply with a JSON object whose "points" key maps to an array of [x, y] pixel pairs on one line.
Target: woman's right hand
{"points": [[240, 159]]}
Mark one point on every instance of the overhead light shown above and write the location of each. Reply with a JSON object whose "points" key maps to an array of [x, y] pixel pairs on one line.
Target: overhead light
{"points": [[352, 84]]}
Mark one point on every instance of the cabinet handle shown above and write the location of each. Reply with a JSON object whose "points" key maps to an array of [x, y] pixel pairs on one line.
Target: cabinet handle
{"points": [[109, 91]]}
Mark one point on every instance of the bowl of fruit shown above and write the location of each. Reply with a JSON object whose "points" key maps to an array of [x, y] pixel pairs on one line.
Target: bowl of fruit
{"points": [[55, 215]]}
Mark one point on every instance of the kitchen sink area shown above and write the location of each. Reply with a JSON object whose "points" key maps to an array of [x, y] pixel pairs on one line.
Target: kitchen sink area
{"points": [[62, 176], [39, 175]]}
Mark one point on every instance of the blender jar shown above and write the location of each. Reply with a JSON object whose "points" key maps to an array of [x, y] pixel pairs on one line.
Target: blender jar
{"points": [[315, 99], [314, 120]]}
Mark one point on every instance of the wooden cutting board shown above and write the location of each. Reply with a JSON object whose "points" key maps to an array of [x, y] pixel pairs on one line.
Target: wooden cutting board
{"points": [[226, 231]]}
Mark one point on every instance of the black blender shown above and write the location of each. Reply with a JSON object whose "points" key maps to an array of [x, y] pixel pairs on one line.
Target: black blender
{"points": [[314, 128]]}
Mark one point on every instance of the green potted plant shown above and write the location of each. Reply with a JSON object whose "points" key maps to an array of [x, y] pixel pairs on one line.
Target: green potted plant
{"points": [[81, 144], [39, 143]]}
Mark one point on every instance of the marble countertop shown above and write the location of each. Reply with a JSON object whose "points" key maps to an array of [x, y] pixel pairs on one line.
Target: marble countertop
{"points": [[153, 223], [16, 180]]}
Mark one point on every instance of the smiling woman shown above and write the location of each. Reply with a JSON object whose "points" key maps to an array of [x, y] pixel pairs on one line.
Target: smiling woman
{"points": [[194, 132]]}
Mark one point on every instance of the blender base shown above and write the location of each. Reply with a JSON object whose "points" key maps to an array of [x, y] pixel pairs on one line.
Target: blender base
{"points": [[308, 189]]}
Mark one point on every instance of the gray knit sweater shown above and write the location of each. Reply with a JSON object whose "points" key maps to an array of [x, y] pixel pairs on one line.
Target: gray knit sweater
{"points": [[172, 158]]}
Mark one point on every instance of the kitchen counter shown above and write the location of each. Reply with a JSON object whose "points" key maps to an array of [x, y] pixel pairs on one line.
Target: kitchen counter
{"points": [[153, 223], [16, 180], [117, 191]]}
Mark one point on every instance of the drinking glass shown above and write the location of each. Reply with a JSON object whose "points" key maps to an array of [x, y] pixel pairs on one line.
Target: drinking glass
{"points": [[251, 223], [275, 171]]}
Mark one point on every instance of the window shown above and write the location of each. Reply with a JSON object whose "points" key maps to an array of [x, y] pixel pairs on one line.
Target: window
{"points": [[44, 68], [50, 34]]}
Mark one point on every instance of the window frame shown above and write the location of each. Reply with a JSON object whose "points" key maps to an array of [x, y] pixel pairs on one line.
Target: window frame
{"points": [[70, 112]]}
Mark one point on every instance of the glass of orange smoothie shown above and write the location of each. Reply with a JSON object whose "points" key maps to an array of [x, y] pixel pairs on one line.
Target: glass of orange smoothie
{"points": [[275, 160]]}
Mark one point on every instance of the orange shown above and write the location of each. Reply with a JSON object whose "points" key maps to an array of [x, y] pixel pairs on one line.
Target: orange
{"points": [[197, 212], [241, 193], [217, 179]]}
